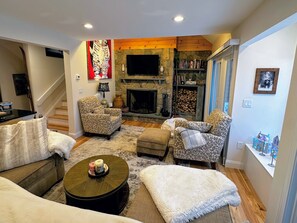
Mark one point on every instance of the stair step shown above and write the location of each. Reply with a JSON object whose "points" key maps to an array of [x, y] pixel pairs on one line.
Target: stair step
{"points": [[55, 116], [58, 127], [58, 122], [64, 103], [61, 110]]}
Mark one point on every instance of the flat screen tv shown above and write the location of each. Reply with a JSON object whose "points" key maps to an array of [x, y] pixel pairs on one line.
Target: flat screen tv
{"points": [[143, 65]]}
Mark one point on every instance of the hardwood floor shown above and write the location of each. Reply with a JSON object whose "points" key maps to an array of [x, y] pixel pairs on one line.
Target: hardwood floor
{"points": [[251, 208]]}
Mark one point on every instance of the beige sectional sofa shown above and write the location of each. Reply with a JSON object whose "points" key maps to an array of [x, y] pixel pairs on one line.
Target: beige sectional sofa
{"points": [[37, 177]]}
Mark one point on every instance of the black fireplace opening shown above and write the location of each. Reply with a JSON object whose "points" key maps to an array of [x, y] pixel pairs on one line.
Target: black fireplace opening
{"points": [[142, 101]]}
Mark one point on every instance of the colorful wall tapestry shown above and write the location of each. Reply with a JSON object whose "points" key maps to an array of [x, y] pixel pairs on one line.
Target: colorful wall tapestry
{"points": [[99, 59]]}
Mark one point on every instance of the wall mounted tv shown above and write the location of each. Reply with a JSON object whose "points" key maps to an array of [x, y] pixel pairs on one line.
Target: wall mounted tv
{"points": [[143, 65]]}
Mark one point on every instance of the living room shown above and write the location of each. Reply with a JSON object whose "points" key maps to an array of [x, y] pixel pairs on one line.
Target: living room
{"points": [[77, 65]]}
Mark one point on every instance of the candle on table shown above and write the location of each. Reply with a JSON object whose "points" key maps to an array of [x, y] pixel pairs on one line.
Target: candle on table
{"points": [[92, 167], [99, 165]]}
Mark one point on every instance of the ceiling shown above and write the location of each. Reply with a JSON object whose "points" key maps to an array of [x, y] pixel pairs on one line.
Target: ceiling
{"points": [[116, 19]]}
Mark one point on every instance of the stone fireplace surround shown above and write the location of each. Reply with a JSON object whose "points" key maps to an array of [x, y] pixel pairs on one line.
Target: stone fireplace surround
{"points": [[146, 82]]}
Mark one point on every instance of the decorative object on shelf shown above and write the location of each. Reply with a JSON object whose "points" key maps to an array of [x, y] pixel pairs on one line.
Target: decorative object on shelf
{"points": [[99, 59], [123, 68], [266, 80], [118, 101], [103, 87], [190, 82], [161, 70], [274, 150], [262, 143]]}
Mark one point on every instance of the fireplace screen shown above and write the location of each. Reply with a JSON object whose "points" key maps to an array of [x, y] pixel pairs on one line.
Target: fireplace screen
{"points": [[142, 101]]}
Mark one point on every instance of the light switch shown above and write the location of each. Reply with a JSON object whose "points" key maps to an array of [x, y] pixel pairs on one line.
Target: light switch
{"points": [[247, 103]]}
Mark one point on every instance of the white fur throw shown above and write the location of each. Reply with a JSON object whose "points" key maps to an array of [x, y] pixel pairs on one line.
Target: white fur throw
{"points": [[192, 139], [19, 205], [60, 143], [182, 193], [23, 143]]}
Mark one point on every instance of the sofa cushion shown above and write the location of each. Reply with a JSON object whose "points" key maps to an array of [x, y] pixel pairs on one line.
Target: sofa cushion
{"points": [[27, 174], [18, 205], [144, 209], [23, 143]]}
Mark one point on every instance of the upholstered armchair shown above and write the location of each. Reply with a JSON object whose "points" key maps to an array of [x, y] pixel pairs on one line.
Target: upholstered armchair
{"points": [[213, 131], [97, 119]]}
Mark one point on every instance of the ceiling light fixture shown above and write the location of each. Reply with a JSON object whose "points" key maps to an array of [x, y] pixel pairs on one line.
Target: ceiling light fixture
{"points": [[178, 18], [88, 26]]}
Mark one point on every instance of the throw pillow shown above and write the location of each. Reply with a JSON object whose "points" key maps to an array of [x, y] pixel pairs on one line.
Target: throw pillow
{"points": [[200, 126], [191, 138], [23, 143], [99, 110]]}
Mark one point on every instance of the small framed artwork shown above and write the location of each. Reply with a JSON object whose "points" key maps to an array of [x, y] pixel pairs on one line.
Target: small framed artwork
{"points": [[99, 59], [266, 80]]}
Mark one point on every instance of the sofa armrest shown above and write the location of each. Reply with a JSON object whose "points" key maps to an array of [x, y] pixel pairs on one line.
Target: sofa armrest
{"points": [[59, 162], [113, 111], [181, 123]]}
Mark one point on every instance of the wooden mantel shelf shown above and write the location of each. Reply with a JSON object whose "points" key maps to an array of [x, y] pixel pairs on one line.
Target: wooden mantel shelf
{"points": [[156, 80]]}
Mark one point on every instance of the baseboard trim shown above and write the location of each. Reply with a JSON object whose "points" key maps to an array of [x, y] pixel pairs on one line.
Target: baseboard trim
{"points": [[234, 164], [75, 135]]}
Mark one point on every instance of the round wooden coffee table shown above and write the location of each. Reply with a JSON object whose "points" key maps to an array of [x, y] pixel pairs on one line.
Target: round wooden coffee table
{"points": [[108, 194]]}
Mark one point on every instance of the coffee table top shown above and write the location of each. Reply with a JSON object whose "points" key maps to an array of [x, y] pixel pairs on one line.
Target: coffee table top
{"points": [[78, 183]]}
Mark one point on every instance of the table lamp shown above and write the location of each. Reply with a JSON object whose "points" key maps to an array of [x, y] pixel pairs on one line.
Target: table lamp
{"points": [[103, 87]]}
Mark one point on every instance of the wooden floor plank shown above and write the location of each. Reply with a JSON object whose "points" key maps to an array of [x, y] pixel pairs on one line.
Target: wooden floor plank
{"points": [[251, 208]]}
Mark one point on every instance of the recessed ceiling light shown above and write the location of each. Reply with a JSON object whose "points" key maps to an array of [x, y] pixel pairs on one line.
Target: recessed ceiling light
{"points": [[88, 26], [178, 18]]}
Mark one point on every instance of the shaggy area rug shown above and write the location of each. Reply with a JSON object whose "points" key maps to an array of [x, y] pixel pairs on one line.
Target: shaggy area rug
{"points": [[122, 144]]}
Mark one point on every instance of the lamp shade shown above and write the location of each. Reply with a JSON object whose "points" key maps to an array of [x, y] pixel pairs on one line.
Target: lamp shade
{"points": [[103, 87]]}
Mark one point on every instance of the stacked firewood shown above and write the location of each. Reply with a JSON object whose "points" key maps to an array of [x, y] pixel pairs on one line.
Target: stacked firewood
{"points": [[186, 100]]}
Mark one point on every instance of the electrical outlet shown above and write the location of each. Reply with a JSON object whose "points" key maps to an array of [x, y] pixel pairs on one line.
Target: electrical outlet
{"points": [[247, 103], [240, 145]]}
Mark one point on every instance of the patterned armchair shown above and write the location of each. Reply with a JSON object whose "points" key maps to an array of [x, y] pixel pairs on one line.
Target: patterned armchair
{"points": [[97, 119], [215, 139]]}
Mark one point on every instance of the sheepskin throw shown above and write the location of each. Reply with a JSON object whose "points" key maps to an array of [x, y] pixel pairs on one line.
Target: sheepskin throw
{"points": [[60, 143], [23, 143], [182, 194]]}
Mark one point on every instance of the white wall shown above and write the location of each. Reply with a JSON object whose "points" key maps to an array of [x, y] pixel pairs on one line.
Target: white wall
{"points": [[43, 70], [84, 87], [11, 62], [270, 16], [267, 112], [285, 160]]}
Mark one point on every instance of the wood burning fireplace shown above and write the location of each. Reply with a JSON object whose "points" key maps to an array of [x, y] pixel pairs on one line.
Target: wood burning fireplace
{"points": [[142, 101]]}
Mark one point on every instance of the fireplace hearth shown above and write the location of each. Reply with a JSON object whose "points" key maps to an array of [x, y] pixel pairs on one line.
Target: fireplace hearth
{"points": [[142, 101]]}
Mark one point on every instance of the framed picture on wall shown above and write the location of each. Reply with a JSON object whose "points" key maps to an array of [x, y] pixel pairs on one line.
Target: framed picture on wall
{"points": [[266, 80], [99, 59]]}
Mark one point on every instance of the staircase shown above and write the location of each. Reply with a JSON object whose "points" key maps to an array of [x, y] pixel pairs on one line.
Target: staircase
{"points": [[59, 120]]}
